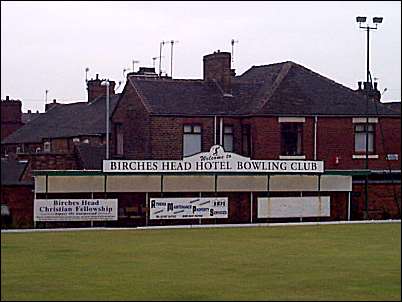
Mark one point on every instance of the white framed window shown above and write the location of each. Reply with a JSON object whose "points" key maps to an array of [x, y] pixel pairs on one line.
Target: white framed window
{"points": [[191, 139], [76, 140], [360, 138], [292, 139], [228, 138], [46, 146]]}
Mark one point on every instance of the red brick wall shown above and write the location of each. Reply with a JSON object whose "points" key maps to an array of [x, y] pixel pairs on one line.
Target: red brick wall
{"points": [[10, 117], [381, 200], [161, 137], [48, 161], [19, 199], [265, 133], [135, 121], [335, 137]]}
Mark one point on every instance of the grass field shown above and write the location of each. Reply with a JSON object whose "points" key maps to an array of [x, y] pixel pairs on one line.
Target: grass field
{"points": [[328, 262]]}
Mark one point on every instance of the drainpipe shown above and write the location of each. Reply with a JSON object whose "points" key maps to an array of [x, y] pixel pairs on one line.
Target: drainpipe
{"points": [[315, 137], [215, 129], [221, 132]]}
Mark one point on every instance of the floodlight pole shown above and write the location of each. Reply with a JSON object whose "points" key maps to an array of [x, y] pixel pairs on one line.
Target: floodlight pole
{"points": [[368, 90]]}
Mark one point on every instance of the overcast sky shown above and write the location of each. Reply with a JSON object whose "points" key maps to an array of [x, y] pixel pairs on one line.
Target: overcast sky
{"points": [[48, 45]]}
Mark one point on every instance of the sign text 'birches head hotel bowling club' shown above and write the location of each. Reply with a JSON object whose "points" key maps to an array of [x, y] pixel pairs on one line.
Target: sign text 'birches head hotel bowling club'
{"points": [[214, 161]]}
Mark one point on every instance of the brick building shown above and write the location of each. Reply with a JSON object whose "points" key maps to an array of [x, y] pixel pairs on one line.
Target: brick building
{"points": [[280, 111], [277, 111]]}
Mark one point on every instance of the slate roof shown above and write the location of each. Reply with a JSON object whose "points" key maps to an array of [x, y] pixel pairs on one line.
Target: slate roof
{"points": [[395, 106], [65, 120], [277, 89], [91, 156], [12, 171], [27, 117]]}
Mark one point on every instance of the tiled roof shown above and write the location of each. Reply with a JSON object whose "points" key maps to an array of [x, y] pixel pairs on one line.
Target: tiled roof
{"points": [[12, 171], [65, 120], [395, 106], [28, 117], [283, 88]]}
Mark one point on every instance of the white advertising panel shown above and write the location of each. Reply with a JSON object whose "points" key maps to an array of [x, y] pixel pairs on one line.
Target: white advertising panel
{"points": [[214, 161], [188, 208], [286, 207], [75, 209]]}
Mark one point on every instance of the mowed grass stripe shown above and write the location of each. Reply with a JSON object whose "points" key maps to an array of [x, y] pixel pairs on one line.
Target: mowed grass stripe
{"points": [[328, 262]]}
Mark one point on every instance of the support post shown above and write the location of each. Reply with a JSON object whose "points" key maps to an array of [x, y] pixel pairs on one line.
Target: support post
{"points": [[251, 207], [147, 208]]}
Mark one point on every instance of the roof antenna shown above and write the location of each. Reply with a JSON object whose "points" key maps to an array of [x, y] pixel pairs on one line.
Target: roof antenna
{"points": [[118, 85], [171, 57], [134, 61], [86, 74], [233, 42], [124, 70], [160, 56]]}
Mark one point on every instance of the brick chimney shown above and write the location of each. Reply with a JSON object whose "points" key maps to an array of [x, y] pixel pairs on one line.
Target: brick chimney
{"points": [[51, 105], [95, 89], [217, 67], [11, 114]]}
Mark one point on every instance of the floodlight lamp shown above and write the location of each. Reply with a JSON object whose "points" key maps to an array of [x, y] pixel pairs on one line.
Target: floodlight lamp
{"points": [[361, 19], [377, 20]]}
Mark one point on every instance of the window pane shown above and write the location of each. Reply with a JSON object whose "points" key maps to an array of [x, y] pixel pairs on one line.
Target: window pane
{"points": [[228, 142], [191, 144], [187, 128], [371, 142], [291, 138], [228, 129], [197, 129], [370, 127], [359, 128], [360, 142]]}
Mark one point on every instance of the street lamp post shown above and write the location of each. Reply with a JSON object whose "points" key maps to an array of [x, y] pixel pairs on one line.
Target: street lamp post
{"points": [[107, 84], [368, 86]]}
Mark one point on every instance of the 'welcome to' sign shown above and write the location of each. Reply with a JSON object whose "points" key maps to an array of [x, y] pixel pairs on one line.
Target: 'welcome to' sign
{"points": [[217, 160]]}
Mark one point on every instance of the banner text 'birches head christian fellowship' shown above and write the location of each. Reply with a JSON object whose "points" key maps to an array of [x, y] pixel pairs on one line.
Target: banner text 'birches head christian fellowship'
{"points": [[215, 161]]}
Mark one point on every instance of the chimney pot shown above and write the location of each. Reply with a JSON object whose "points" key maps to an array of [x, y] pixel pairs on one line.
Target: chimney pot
{"points": [[54, 101], [7, 98], [97, 76], [375, 85], [360, 85], [37, 111], [29, 111]]}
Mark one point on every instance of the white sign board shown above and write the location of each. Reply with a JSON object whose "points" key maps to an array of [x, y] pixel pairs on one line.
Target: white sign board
{"points": [[217, 160], [188, 208], [75, 209], [286, 207]]}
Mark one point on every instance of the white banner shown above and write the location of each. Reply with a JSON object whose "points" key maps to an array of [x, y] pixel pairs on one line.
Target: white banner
{"points": [[286, 207], [75, 209], [217, 160], [188, 208]]}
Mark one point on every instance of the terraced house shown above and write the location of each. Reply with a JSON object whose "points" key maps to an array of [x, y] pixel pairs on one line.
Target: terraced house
{"points": [[277, 112]]}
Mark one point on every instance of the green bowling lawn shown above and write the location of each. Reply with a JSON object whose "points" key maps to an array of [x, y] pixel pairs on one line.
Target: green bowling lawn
{"points": [[327, 262]]}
